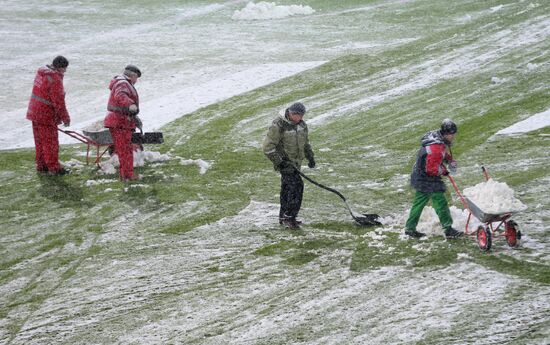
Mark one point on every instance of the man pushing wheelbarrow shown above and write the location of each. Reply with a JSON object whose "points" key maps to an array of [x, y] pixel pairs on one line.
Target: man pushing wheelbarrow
{"points": [[426, 179]]}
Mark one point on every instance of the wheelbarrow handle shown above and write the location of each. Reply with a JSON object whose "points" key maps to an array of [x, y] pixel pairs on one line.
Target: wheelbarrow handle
{"points": [[462, 199]]}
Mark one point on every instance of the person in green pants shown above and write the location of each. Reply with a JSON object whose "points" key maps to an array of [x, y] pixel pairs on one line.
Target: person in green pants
{"points": [[426, 179]]}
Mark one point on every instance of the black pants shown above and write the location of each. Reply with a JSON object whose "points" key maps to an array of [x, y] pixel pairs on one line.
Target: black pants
{"points": [[292, 190]]}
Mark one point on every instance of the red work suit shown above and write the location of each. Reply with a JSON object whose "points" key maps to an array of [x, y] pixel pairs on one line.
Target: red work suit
{"points": [[120, 122], [47, 110]]}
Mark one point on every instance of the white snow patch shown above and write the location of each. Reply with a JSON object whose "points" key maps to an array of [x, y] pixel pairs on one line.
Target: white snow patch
{"points": [[98, 182], [269, 10], [203, 165], [73, 164], [497, 80], [494, 197], [533, 123]]}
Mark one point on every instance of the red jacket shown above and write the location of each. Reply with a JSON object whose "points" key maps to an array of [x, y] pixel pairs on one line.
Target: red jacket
{"points": [[47, 104], [427, 171], [123, 95]]}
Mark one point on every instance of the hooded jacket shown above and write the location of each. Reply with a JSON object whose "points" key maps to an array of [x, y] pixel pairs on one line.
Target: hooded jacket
{"points": [[123, 95], [428, 169], [287, 141], [47, 103]]}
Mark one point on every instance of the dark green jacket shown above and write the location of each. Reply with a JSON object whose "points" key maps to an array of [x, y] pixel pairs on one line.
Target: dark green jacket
{"points": [[286, 140]]}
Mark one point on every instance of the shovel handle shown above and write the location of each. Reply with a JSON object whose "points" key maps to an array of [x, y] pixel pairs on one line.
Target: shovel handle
{"points": [[320, 185]]}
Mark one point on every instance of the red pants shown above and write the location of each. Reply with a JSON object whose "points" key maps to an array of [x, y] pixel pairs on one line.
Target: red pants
{"points": [[122, 139], [47, 147]]}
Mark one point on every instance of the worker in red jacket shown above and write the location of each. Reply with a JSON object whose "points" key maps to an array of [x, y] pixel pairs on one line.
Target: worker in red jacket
{"points": [[47, 110], [121, 119]]}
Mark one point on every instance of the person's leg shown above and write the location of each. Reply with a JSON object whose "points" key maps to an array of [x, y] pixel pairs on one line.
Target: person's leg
{"points": [[284, 197], [295, 194], [420, 200], [50, 148], [122, 140], [441, 208], [39, 157]]}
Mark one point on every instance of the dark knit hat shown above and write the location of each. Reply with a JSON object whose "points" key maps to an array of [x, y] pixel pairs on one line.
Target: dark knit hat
{"points": [[60, 62], [132, 69], [297, 108], [448, 127]]}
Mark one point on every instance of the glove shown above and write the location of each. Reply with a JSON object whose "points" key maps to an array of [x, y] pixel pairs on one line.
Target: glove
{"points": [[133, 109], [67, 123], [311, 163], [453, 166], [139, 124]]}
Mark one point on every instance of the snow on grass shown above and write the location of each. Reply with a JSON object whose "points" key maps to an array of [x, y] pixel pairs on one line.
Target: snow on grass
{"points": [[269, 10], [202, 164], [530, 124], [461, 61]]}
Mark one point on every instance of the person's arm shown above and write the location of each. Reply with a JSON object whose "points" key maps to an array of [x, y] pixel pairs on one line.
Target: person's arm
{"points": [[271, 141], [310, 156], [57, 96]]}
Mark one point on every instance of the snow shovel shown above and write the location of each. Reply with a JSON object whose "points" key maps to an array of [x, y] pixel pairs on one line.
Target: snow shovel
{"points": [[367, 219]]}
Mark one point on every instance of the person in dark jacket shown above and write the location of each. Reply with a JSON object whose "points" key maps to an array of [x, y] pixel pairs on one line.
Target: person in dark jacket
{"points": [[122, 119], [46, 111], [286, 145], [426, 179]]}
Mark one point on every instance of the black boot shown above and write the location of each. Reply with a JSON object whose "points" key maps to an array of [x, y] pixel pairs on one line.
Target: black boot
{"points": [[450, 233], [414, 233], [291, 223]]}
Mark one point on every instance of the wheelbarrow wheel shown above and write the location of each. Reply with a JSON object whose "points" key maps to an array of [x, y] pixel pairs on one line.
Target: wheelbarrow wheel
{"points": [[512, 234], [484, 238]]}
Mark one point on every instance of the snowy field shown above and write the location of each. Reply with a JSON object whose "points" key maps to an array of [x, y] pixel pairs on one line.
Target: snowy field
{"points": [[192, 252]]}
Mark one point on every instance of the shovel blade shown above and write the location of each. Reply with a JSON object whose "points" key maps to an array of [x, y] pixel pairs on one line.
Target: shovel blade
{"points": [[367, 219]]}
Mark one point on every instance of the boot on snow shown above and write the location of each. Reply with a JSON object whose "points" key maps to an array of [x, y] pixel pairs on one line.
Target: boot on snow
{"points": [[291, 223], [281, 221], [450, 233], [414, 233]]}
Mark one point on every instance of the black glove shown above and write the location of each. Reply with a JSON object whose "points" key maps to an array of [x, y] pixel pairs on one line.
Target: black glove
{"points": [[311, 163], [453, 167]]}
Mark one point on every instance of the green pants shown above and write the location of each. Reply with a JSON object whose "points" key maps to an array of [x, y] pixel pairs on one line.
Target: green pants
{"points": [[439, 203]]}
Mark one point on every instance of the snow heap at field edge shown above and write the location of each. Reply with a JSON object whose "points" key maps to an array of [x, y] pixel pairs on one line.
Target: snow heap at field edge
{"points": [[269, 10]]}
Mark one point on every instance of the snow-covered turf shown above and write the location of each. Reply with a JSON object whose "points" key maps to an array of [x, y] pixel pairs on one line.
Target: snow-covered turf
{"points": [[192, 253]]}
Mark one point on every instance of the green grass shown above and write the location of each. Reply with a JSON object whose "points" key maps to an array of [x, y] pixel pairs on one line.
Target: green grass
{"points": [[60, 224]]}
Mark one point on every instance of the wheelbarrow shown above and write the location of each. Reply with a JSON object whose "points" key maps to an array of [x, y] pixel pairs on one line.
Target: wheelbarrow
{"points": [[103, 142], [486, 232]]}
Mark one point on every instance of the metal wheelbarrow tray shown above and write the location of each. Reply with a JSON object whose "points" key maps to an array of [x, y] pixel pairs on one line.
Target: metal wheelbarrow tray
{"points": [[102, 139]]}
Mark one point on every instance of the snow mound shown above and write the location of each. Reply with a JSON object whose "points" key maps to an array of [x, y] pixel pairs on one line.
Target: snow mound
{"points": [[140, 158], [494, 197], [97, 126], [269, 10], [429, 221]]}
